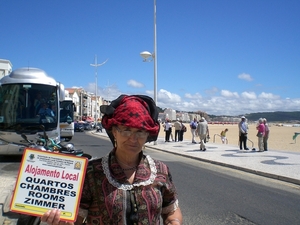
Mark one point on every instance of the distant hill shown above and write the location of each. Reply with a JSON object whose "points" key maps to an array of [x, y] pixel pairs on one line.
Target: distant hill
{"points": [[278, 116], [275, 116], [282, 117]]}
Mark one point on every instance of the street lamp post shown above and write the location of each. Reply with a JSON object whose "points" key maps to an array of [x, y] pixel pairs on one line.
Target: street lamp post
{"points": [[96, 65], [146, 55], [81, 103], [155, 56]]}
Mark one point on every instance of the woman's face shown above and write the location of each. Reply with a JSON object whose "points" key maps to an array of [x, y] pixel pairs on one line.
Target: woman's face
{"points": [[129, 140]]}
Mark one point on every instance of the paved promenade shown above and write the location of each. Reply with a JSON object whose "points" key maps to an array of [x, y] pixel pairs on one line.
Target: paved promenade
{"points": [[279, 165]]}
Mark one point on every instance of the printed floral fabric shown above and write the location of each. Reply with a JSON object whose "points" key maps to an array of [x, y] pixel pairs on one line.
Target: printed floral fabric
{"points": [[110, 199]]}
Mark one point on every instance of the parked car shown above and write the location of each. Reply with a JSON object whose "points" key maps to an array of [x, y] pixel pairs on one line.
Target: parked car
{"points": [[79, 127], [87, 126]]}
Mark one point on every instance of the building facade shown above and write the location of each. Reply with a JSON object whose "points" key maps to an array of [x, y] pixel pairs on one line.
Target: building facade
{"points": [[5, 67]]}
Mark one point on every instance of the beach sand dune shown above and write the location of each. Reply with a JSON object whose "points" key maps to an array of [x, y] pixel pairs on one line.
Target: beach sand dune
{"points": [[281, 137]]}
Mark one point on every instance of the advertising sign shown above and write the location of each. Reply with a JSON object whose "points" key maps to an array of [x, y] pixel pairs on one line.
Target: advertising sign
{"points": [[48, 180]]}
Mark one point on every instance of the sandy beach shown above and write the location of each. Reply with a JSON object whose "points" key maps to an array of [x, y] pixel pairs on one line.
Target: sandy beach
{"points": [[281, 137]]}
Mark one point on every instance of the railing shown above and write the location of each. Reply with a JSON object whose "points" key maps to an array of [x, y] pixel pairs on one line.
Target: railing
{"points": [[214, 141], [295, 136], [251, 142], [220, 137]]}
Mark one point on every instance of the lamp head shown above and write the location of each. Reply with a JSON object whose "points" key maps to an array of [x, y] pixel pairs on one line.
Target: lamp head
{"points": [[145, 55]]}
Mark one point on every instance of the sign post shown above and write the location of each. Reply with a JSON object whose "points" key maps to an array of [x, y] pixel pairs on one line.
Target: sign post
{"points": [[48, 180]]}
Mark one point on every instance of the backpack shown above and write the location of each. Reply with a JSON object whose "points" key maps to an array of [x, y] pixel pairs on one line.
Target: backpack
{"points": [[194, 126]]}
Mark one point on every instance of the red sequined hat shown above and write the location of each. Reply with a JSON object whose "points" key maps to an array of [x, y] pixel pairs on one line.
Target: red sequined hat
{"points": [[137, 111]]}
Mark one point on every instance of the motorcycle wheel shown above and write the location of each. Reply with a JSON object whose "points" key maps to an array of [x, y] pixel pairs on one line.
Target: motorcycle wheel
{"points": [[28, 220]]}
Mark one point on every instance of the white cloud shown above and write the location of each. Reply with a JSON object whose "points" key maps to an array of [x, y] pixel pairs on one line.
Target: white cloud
{"points": [[135, 84], [248, 95], [268, 96], [227, 93], [227, 103], [195, 96], [168, 97], [245, 76]]}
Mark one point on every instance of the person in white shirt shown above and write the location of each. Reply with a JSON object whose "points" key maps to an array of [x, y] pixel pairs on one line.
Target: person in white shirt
{"points": [[203, 132], [243, 132]]}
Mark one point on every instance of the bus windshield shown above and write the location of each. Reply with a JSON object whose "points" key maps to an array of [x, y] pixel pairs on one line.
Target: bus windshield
{"points": [[67, 109], [23, 106]]}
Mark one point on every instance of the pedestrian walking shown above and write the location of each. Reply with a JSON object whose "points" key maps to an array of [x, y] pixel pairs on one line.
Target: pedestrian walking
{"points": [[193, 126], [203, 132]]}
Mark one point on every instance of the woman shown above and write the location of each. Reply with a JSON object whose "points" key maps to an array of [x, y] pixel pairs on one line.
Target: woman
{"points": [[126, 186], [260, 134]]}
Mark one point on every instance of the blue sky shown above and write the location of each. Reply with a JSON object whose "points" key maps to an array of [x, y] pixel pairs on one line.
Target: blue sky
{"points": [[223, 57]]}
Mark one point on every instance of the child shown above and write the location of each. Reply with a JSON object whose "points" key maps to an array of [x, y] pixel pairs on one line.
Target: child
{"points": [[223, 136]]}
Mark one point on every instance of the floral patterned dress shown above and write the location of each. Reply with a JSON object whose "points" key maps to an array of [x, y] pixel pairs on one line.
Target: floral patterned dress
{"points": [[108, 198]]}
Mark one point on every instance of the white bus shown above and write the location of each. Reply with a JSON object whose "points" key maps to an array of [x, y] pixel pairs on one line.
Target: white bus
{"points": [[22, 94], [67, 109]]}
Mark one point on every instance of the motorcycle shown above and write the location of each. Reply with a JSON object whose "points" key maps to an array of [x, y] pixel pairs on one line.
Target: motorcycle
{"points": [[44, 143]]}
